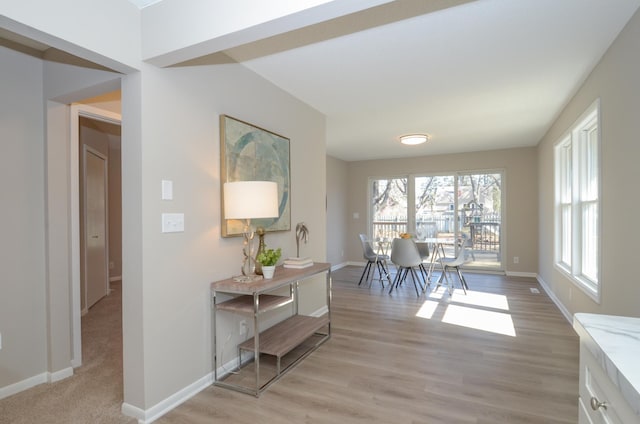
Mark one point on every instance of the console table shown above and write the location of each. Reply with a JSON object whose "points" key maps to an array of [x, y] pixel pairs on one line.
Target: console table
{"points": [[254, 299]]}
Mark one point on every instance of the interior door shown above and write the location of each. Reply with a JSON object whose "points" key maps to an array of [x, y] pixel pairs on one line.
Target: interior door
{"points": [[95, 234]]}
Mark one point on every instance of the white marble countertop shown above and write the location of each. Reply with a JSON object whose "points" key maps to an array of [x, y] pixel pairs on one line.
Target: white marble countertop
{"points": [[615, 342]]}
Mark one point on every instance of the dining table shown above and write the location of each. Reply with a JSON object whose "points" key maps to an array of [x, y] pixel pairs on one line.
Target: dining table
{"points": [[436, 247]]}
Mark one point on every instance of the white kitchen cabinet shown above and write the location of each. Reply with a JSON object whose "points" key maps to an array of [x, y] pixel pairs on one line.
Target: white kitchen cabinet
{"points": [[609, 369]]}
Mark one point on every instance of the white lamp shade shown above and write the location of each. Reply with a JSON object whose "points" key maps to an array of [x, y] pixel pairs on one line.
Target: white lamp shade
{"points": [[250, 199]]}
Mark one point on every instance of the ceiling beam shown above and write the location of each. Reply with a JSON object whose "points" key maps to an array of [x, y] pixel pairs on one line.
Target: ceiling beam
{"points": [[175, 31]]}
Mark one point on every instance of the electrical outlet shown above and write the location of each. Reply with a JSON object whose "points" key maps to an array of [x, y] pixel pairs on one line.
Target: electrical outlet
{"points": [[516, 259], [243, 327]]}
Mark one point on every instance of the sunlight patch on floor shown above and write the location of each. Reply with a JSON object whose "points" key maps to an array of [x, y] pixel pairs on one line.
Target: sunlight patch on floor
{"points": [[427, 309], [494, 322], [475, 298], [436, 295]]}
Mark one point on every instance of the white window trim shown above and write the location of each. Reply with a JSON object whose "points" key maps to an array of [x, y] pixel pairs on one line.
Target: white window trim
{"points": [[572, 271]]}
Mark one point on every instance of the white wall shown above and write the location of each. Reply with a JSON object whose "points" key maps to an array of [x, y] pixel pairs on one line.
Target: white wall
{"points": [[22, 254], [36, 168], [615, 81], [520, 236], [166, 277], [80, 28], [337, 210]]}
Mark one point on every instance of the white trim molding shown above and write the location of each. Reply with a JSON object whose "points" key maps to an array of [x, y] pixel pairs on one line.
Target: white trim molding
{"points": [[521, 274], [338, 266], [20, 386], [158, 410], [28, 383], [555, 300], [52, 377]]}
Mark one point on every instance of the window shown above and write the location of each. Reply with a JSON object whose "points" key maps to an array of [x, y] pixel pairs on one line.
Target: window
{"points": [[577, 178]]}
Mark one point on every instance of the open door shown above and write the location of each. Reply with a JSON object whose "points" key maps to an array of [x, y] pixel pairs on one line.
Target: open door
{"points": [[95, 258]]}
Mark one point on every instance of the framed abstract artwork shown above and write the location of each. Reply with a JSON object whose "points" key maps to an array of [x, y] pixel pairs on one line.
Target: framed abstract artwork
{"points": [[250, 153]]}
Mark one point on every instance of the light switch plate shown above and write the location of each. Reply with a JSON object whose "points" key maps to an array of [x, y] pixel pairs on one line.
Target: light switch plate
{"points": [[172, 222], [167, 190]]}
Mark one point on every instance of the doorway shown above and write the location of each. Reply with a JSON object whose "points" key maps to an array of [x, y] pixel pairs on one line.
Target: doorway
{"points": [[95, 134]]}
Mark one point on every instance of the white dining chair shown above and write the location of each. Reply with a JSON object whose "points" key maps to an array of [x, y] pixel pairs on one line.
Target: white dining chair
{"points": [[374, 261], [449, 264], [406, 257]]}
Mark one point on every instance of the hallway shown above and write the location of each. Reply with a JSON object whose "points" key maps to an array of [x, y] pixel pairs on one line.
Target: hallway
{"points": [[94, 393]]}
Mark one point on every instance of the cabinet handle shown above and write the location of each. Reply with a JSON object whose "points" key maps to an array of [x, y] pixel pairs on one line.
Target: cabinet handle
{"points": [[596, 404]]}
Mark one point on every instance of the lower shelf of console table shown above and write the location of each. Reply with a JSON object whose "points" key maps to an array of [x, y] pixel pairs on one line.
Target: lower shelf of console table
{"points": [[280, 347], [283, 337]]}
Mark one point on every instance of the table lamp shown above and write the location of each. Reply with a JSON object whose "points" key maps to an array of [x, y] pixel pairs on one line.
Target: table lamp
{"points": [[247, 200]]}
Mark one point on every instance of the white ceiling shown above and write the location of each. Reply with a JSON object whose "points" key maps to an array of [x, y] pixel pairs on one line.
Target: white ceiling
{"points": [[144, 3], [483, 75], [480, 75]]}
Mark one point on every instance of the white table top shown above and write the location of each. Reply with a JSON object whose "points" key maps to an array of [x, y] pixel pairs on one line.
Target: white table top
{"points": [[435, 240], [615, 342]]}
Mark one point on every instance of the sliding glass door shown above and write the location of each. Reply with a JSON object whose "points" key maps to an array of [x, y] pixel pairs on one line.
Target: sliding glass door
{"points": [[465, 208], [480, 218], [389, 207]]}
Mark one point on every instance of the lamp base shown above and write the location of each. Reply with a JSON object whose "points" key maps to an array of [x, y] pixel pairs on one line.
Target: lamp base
{"points": [[247, 278]]}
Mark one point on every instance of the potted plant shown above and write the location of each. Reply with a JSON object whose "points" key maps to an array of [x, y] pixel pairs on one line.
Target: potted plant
{"points": [[268, 258]]}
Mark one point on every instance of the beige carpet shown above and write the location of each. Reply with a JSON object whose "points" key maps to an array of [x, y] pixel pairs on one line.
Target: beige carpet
{"points": [[94, 393]]}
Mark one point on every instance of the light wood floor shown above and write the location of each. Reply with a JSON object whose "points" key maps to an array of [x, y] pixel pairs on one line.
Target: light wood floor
{"points": [[384, 364]]}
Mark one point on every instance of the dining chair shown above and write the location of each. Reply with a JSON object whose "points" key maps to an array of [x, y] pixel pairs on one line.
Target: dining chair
{"points": [[406, 257], [449, 264], [374, 260], [423, 249], [468, 243]]}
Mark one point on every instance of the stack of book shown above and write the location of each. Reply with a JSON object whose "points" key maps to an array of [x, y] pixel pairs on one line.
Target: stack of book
{"points": [[297, 262]]}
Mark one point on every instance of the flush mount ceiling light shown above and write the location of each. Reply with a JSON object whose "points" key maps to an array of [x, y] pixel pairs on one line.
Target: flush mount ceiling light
{"points": [[413, 139]]}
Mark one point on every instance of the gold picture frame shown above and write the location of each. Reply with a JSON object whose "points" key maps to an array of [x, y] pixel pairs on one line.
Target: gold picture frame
{"points": [[251, 153]]}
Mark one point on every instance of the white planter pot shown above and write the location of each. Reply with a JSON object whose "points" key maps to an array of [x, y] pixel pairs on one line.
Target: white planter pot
{"points": [[267, 271]]}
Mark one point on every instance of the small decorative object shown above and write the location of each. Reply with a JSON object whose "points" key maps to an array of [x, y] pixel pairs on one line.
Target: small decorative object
{"points": [[302, 233], [260, 232], [405, 235], [268, 258], [297, 262], [268, 271]]}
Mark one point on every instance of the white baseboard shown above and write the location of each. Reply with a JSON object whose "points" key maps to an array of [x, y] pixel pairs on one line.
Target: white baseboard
{"points": [[52, 377], [320, 312], [521, 274], [133, 411], [338, 266], [162, 407], [26, 384], [555, 300], [20, 386]]}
